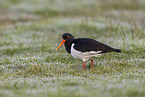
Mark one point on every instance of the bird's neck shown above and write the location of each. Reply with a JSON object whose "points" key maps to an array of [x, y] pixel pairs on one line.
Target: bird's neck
{"points": [[68, 45]]}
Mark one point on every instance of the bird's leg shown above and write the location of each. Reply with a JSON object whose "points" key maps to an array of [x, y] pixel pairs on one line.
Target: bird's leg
{"points": [[92, 63], [84, 63]]}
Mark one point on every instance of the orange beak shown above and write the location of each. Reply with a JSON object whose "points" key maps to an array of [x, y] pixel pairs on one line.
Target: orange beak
{"points": [[63, 41]]}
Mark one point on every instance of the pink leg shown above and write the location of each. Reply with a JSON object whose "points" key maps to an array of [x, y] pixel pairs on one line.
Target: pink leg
{"points": [[92, 63], [83, 65]]}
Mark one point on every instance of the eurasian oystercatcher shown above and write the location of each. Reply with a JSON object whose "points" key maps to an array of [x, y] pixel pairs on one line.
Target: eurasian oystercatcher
{"points": [[85, 48]]}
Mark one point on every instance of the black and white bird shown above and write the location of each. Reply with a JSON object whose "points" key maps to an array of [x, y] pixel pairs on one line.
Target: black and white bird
{"points": [[85, 48]]}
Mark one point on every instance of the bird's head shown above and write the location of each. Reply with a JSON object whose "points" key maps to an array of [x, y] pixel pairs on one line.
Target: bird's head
{"points": [[67, 37]]}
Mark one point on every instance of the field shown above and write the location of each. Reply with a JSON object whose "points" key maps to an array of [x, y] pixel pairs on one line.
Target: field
{"points": [[30, 31]]}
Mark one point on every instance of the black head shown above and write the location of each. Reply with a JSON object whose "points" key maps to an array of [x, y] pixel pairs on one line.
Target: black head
{"points": [[67, 36], [67, 40]]}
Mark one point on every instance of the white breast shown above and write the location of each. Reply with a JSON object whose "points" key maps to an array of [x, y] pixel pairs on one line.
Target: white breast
{"points": [[83, 55]]}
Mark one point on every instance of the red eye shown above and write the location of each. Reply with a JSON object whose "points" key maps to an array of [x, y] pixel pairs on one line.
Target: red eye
{"points": [[67, 36]]}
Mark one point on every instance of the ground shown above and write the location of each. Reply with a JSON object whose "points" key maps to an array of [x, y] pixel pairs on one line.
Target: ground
{"points": [[30, 31]]}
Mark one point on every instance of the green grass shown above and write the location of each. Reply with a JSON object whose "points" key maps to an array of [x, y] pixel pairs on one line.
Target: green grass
{"points": [[30, 32]]}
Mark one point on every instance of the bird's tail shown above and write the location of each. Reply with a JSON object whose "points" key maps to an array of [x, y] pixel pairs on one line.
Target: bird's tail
{"points": [[117, 50]]}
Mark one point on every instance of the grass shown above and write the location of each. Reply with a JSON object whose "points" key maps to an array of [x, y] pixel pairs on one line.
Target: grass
{"points": [[30, 31]]}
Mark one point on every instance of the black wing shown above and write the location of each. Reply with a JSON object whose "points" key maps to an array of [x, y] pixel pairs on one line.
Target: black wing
{"points": [[86, 44]]}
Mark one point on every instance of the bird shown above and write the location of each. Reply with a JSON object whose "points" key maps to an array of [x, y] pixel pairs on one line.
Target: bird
{"points": [[85, 48]]}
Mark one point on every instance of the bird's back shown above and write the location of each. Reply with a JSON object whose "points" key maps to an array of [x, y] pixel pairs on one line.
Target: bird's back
{"points": [[86, 44]]}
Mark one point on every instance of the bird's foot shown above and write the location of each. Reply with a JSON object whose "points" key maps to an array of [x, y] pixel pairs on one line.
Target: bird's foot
{"points": [[92, 63]]}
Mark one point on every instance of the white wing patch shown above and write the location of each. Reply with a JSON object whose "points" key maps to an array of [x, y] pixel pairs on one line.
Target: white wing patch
{"points": [[91, 53]]}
